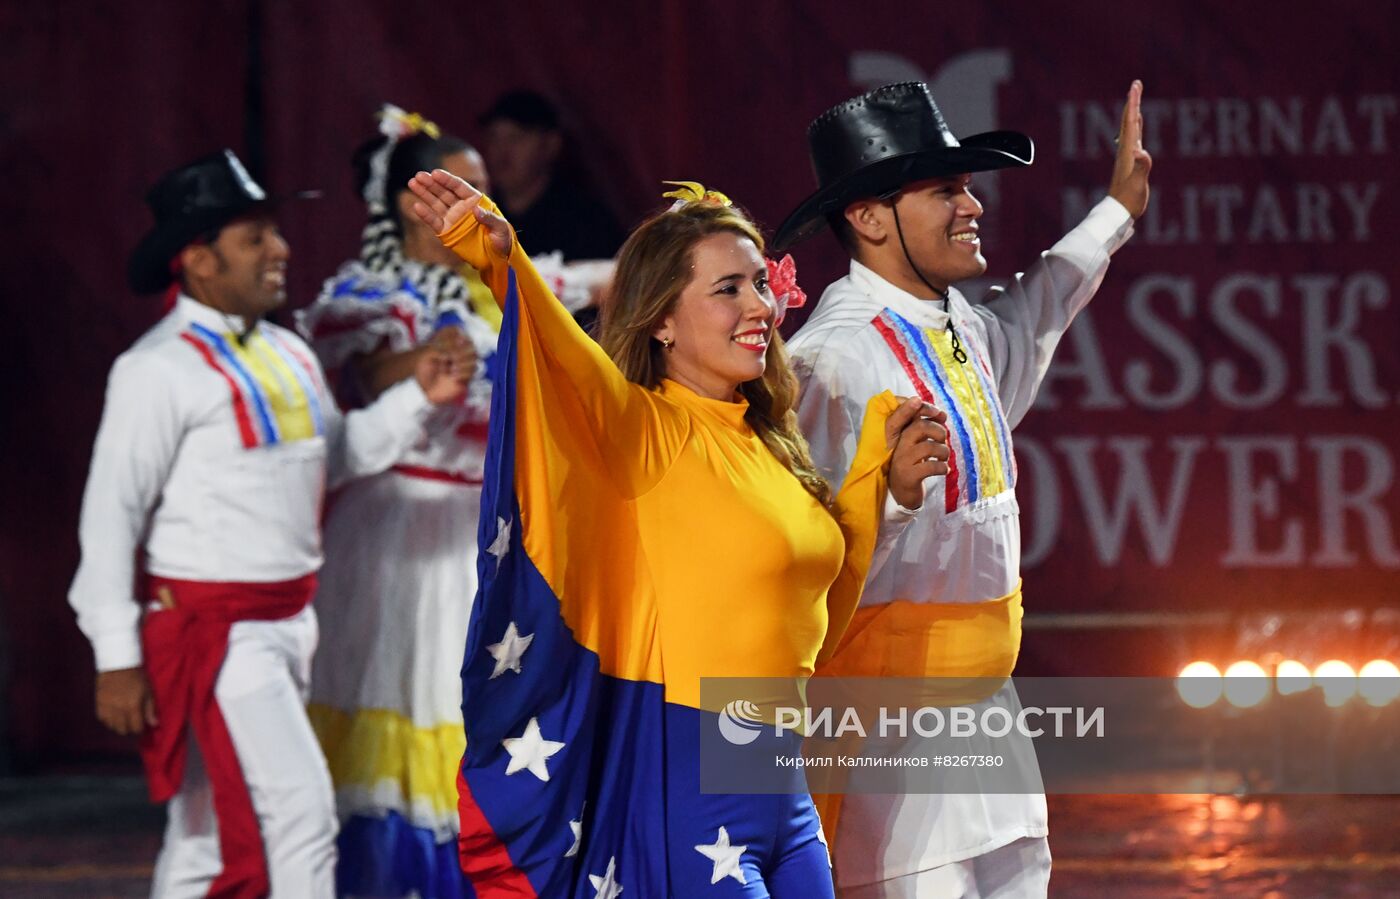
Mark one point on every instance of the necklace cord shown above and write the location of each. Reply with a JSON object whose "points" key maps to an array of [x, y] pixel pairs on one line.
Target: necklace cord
{"points": [[958, 352]]}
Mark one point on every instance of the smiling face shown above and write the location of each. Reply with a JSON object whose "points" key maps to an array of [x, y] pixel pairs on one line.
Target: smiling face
{"points": [[722, 322], [243, 271], [939, 221]]}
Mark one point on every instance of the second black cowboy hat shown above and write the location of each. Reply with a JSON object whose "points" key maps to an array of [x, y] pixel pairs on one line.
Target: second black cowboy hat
{"points": [[190, 203], [874, 144]]}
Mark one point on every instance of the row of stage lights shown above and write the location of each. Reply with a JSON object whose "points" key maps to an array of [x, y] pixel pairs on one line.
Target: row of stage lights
{"points": [[1246, 684]]}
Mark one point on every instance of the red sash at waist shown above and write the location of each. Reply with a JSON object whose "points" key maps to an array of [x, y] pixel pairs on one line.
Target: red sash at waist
{"points": [[185, 640]]}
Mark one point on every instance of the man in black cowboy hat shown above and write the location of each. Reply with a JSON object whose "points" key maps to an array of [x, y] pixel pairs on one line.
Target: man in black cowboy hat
{"points": [[895, 186], [217, 439]]}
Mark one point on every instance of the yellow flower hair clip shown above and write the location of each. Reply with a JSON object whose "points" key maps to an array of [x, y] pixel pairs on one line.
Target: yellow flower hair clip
{"points": [[397, 124], [694, 192]]}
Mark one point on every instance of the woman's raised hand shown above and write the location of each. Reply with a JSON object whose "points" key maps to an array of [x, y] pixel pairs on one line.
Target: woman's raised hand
{"points": [[917, 435], [443, 199]]}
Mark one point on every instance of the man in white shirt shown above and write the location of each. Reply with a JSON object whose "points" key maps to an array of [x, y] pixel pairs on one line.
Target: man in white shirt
{"points": [[201, 539], [945, 602]]}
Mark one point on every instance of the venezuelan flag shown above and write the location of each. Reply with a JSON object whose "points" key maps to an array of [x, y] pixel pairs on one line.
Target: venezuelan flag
{"points": [[552, 742]]}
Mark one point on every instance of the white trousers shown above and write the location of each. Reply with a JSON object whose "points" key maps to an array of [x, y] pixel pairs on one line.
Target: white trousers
{"points": [[1018, 870], [261, 693]]}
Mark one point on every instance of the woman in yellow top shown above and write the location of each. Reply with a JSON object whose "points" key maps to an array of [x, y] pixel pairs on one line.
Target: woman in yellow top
{"points": [[652, 518]]}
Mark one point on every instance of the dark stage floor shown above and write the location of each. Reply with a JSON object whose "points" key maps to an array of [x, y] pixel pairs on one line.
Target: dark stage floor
{"points": [[76, 837]]}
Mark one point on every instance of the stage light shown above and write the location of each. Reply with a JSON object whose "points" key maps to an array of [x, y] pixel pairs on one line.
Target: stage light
{"points": [[1246, 684], [1379, 682], [1337, 680], [1292, 676], [1199, 685]]}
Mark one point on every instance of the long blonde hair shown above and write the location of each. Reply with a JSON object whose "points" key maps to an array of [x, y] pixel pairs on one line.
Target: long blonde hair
{"points": [[653, 268]]}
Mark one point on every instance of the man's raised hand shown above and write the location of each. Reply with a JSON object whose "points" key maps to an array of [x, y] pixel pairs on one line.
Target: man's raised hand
{"points": [[1132, 164]]}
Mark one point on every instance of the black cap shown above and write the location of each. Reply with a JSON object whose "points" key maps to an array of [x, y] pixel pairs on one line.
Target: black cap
{"points": [[527, 109]]}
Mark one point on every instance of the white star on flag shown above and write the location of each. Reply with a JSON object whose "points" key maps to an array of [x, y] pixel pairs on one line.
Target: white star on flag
{"points": [[821, 838], [507, 653], [501, 544], [725, 857], [607, 886], [576, 826], [529, 751]]}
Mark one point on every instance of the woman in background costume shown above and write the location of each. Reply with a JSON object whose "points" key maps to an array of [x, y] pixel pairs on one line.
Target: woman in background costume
{"points": [[396, 590]]}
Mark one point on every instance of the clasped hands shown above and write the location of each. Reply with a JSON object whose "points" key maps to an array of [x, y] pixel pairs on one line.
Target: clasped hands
{"points": [[446, 366], [917, 436]]}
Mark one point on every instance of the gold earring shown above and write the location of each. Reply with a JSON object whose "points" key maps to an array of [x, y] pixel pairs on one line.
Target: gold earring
{"points": [[667, 343]]}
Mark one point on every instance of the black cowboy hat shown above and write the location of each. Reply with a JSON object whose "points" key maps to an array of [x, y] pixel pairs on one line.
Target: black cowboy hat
{"points": [[192, 202], [874, 144]]}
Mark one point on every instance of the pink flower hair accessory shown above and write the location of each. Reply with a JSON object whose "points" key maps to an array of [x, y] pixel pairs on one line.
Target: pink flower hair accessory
{"points": [[782, 280]]}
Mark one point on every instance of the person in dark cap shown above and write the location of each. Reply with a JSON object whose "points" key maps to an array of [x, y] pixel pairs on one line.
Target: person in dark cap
{"points": [[896, 186], [217, 439], [553, 212]]}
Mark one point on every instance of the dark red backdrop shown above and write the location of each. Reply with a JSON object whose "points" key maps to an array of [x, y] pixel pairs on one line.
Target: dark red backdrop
{"points": [[1221, 434]]}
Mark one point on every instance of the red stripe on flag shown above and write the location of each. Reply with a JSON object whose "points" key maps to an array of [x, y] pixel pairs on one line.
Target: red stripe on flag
{"points": [[896, 345], [485, 859], [240, 405]]}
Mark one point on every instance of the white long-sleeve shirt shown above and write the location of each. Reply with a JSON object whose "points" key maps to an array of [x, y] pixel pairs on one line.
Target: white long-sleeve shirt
{"points": [[964, 544], [866, 335], [212, 460]]}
